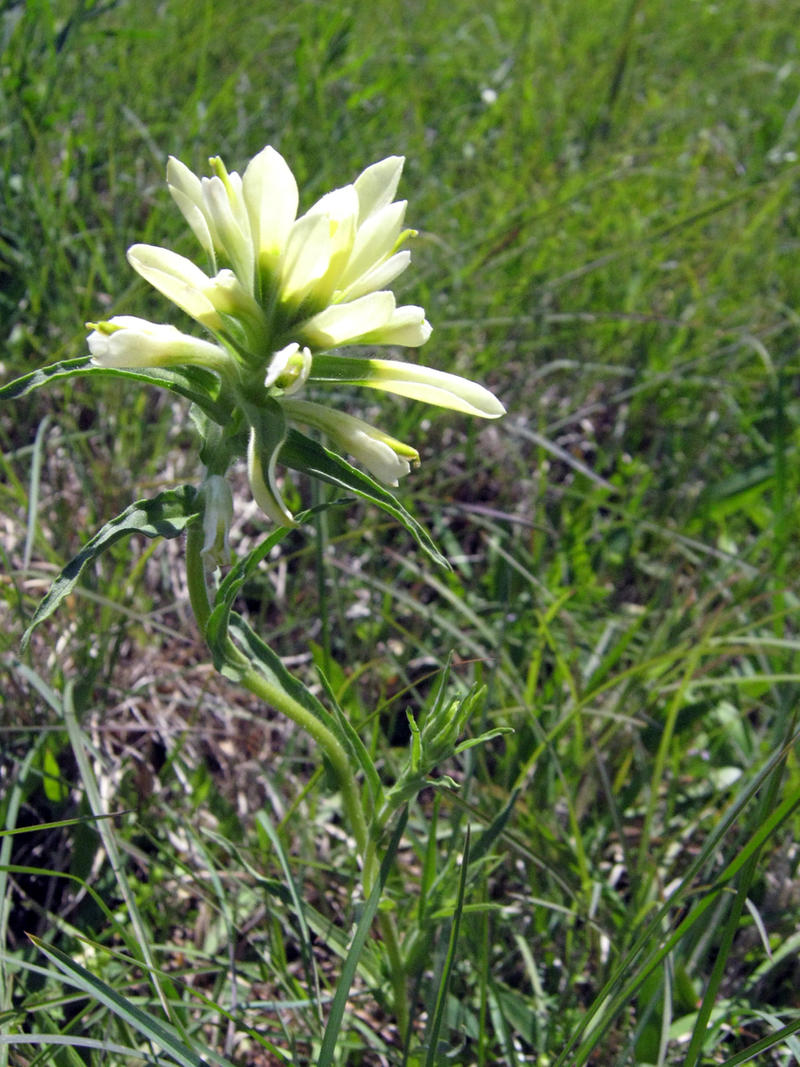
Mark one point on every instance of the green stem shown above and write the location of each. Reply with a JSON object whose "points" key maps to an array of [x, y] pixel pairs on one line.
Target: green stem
{"points": [[279, 699], [351, 795], [398, 973], [196, 576]]}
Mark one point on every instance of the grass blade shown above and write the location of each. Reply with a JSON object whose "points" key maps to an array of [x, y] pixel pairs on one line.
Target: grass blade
{"points": [[432, 1034], [339, 1003], [160, 1033]]}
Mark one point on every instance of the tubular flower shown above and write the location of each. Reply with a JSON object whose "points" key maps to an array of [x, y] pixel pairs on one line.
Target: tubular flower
{"points": [[284, 290], [127, 341], [386, 458]]}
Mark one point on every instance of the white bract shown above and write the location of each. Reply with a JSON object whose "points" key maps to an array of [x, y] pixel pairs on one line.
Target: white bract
{"points": [[431, 387], [386, 458], [289, 369], [127, 341], [282, 293]]}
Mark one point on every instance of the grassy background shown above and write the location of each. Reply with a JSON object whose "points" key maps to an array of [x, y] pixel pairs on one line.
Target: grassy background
{"points": [[606, 195]]}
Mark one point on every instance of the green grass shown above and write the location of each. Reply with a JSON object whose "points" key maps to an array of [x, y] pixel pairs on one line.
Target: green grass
{"points": [[606, 196]]}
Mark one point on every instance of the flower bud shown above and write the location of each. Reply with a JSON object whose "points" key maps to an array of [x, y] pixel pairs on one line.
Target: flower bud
{"points": [[127, 341], [289, 369], [386, 458]]}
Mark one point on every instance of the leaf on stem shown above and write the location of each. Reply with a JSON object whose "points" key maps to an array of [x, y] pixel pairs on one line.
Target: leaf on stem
{"points": [[194, 383], [303, 454], [165, 515]]}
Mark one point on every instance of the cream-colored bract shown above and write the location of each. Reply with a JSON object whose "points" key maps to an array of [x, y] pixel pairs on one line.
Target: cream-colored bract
{"points": [[386, 458], [431, 387], [343, 248], [283, 290], [127, 341]]}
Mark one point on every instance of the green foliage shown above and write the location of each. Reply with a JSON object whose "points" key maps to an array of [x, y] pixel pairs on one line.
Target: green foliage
{"points": [[609, 224], [165, 516]]}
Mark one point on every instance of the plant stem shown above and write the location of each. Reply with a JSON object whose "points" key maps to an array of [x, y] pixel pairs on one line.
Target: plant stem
{"points": [[196, 576], [351, 795], [283, 702], [397, 972]]}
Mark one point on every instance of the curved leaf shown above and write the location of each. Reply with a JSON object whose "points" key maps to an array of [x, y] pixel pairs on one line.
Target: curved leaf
{"points": [[166, 515], [301, 453], [194, 383], [270, 666]]}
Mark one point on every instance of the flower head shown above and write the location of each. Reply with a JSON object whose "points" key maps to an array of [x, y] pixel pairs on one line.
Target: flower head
{"points": [[282, 292]]}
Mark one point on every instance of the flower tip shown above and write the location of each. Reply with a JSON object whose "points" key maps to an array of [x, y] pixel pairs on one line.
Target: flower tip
{"points": [[135, 253], [494, 408]]}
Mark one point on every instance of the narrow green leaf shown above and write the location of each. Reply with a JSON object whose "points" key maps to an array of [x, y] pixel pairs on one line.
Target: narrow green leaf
{"points": [[504, 1026], [765, 1043], [303, 454], [432, 1034], [60, 823], [161, 1033], [270, 666], [138, 937], [497, 731], [33, 492], [331, 1036], [216, 631], [13, 803], [416, 742], [621, 987], [765, 830], [290, 886], [356, 745], [495, 828], [165, 515], [75, 1041], [194, 383], [245, 567]]}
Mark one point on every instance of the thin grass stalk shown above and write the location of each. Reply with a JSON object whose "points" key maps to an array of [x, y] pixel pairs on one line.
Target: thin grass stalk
{"points": [[106, 831], [744, 881]]}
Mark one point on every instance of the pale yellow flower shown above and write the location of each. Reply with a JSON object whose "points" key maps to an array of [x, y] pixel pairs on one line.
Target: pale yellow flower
{"points": [[283, 292], [320, 277], [127, 341]]}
